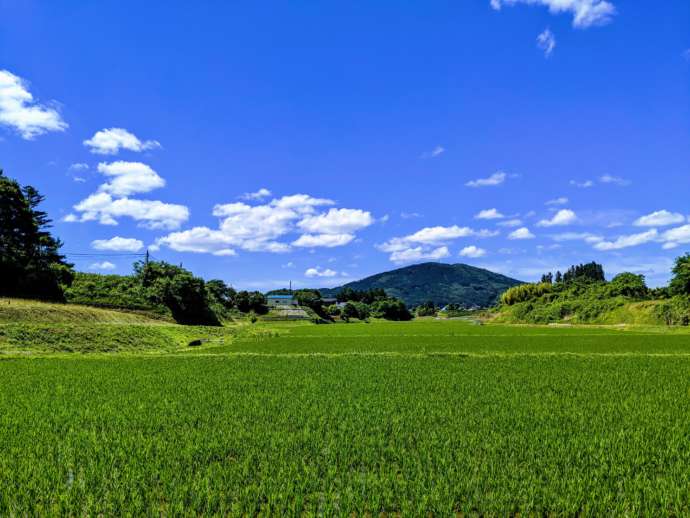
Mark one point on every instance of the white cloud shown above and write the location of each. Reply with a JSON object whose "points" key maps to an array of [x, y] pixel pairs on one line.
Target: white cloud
{"points": [[437, 151], [676, 236], [515, 222], [628, 241], [562, 217], [521, 233], [557, 201], [118, 244], [615, 180], [322, 240], [104, 265], [410, 215], [546, 41], [318, 272], [472, 252], [258, 195], [260, 228], [582, 185], [79, 166], [110, 141], [336, 221], [495, 179], [423, 244], [408, 255], [488, 214], [129, 178], [20, 111], [660, 218], [103, 208], [586, 13]]}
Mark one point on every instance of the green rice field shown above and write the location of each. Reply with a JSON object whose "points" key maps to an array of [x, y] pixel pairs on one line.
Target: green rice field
{"points": [[421, 418]]}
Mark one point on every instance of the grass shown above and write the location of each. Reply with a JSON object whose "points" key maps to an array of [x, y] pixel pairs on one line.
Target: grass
{"points": [[436, 417]]}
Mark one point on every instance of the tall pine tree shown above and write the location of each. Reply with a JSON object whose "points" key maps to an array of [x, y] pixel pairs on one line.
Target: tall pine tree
{"points": [[31, 265]]}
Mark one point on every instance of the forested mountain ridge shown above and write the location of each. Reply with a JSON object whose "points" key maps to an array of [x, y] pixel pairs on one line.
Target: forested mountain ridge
{"points": [[438, 282]]}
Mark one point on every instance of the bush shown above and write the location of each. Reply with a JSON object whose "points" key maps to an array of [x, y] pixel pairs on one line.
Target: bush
{"points": [[391, 309]]}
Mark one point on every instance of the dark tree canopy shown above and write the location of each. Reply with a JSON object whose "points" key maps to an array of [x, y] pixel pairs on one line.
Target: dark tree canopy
{"points": [[31, 265], [680, 283], [173, 286]]}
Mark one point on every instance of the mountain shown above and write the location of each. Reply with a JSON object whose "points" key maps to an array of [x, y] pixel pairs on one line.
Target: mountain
{"points": [[443, 283]]}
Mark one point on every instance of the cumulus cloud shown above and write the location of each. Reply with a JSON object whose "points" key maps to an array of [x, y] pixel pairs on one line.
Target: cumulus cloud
{"points": [[110, 141], [495, 179], [585, 13], [546, 41], [322, 240], [628, 241], [409, 255], [424, 244], [659, 218], [104, 265], [102, 207], [336, 221], [264, 227], [318, 272], [472, 252], [488, 214], [258, 195], [521, 233], [129, 178], [118, 244], [562, 217], [21, 112]]}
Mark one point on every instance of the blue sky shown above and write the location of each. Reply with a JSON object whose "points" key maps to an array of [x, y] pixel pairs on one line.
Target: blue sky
{"points": [[323, 142]]}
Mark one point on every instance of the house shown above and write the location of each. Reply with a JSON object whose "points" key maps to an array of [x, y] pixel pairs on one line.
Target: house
{"points": [[328, 301], [274, 301]]}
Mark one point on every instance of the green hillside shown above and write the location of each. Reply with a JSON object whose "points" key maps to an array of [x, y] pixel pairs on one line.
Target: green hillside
{"points": [[441, 283]]}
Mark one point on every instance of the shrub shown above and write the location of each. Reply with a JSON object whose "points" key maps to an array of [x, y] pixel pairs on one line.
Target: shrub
{"points": [[525, 292]]}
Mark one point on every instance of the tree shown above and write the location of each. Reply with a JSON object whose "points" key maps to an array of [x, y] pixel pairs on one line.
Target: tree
{"points": [[255, 301], [221, 293], [391, 309], [680, 283], [559, 277], [547, 277], [181, 292], [30, 261], [628, 285], [427, 309]]}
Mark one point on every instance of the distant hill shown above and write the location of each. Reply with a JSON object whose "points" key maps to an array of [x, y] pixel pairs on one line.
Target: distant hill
{"points": [[442, 283]]}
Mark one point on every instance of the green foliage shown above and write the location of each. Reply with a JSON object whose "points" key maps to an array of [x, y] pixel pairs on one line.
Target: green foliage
{"points": [[31, 265], [366, 296], [593, 272], [358, 310], [390, 309], [251, 301], [525, 292], [442, 283], [628, 285], [428, 309], [674, 311], [176, 288], [111, 291], [680, 283]]}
